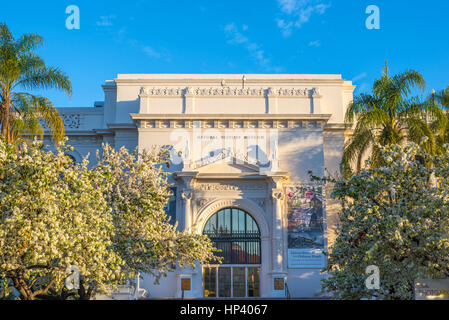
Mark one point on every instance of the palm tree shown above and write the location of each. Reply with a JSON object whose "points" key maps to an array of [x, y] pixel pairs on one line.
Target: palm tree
{"points": [[440, 125], [443, 98], [21, 69], [389, 115]]}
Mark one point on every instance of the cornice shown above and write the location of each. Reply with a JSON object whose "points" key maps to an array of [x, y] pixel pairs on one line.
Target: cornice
{"points": [[230, 121], [231, 82], [244, 117], [336, 127]]}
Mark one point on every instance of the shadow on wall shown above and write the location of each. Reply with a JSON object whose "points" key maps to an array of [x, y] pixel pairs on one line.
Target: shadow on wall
{"points": [[301, 153], [304, 283], [124, 108]]}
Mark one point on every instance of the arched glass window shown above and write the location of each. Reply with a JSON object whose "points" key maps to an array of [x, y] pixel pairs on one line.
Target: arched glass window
{"points": [[236, 234]]}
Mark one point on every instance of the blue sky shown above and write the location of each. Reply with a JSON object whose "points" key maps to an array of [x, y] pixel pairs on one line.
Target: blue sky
{"points": [[244, 36]]}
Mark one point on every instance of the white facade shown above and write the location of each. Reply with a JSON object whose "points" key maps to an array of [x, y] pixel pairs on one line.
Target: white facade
{"points": [[236, 144]]}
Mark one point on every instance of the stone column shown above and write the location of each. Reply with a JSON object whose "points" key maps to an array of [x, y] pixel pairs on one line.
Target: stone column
{"points": [[277, 197], [186, 181], [278, 272], [186, 196]]}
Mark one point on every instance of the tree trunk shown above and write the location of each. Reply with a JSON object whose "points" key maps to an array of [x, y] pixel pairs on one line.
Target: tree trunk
{"points": [[5, 110], [21, 286], [83, 293]]}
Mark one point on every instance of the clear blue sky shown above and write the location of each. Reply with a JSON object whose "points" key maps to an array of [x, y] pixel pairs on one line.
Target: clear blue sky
{"points": [[234, 36]]}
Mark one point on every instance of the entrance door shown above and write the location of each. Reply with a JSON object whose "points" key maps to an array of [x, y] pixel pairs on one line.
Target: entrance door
{"points": [[236, 234], [231, 282]]}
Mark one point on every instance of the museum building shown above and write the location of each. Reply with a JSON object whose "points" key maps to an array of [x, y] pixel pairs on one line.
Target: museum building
{"points": [[242, 148]]}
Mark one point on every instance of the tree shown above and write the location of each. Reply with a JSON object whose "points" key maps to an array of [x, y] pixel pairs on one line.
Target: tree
{"points": [[395, 218], [443, 98], [389, 115], [440, 123], [53, 214], [22, 69], [109, 221], [137, 195]]}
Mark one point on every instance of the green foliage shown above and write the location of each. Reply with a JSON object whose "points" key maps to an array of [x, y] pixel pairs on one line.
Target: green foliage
{"points": [[138, 193], [22, 69], [389, 115], [395, 217], [109, 221], [52, 215]]}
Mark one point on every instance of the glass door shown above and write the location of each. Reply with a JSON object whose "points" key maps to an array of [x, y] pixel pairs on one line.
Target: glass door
{"points": [[253, 282], [224, 282], [231, 282], [210, 281], [238, 282]]}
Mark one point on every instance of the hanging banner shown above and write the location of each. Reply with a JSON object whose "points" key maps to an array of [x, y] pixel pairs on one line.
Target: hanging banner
{"points": [[306, 234]]}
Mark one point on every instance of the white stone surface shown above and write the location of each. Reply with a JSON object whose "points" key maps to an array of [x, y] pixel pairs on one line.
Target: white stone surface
{"points": [[295, 119]]}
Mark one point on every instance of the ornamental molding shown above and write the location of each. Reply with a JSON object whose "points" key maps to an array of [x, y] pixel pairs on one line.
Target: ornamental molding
{"points": [[248, 205], [229, 187], [202, 202], [229, 156], [70, 120], [231, 124], [186, 195], [147, 92], [277, 195]]}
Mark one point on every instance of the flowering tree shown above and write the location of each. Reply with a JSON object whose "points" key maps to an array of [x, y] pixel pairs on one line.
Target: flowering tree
{"points": [[396, 218], [53, 215], [137, 195], [109, 221]]}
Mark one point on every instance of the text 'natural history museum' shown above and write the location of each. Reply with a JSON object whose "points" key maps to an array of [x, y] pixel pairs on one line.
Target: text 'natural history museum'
{"points": [[242, 150]]}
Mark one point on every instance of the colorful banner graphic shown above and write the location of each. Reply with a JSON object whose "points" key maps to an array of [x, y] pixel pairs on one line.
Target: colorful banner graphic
{"points": [[306, 234]]}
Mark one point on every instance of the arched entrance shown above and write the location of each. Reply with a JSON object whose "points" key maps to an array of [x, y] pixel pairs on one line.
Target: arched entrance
{"points": [[237, 235]]}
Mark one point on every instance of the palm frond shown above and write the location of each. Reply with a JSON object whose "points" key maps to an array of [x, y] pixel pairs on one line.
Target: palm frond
{"points": [[361, 104], [389, 115], [46, 78], [355, 148], [36, 108], [443, 98], [405, 82], [29, 42], [20, 67]]}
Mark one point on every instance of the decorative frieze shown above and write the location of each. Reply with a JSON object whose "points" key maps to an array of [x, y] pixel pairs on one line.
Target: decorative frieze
{"points": [[230, 92], [232, 124], [229, 187]]}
